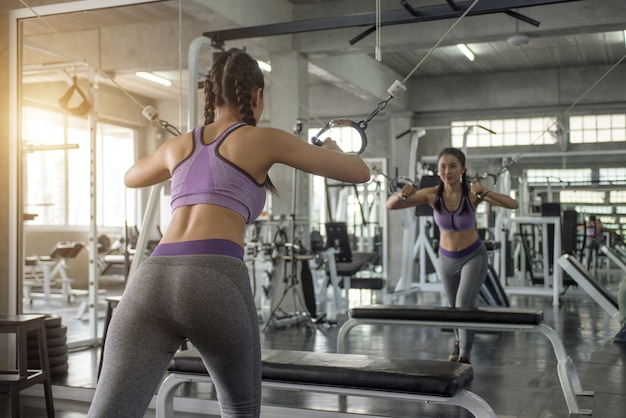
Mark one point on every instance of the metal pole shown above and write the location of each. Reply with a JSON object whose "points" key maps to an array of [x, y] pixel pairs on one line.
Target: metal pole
{"points": [[93, 214]]}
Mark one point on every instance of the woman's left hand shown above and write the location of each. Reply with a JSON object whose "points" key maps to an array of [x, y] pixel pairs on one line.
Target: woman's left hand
{"points": [[477, 188]]}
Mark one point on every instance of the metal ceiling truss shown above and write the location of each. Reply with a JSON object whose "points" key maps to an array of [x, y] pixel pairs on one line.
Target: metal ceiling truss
{"points": [[392, 17]]}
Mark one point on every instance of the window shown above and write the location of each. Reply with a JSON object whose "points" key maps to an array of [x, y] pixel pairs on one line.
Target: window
{"points": [[57, 181], [559, 177], [612, 176], [503, 132], [582, 196], [590, 129], [598, 210], [617, 196]]}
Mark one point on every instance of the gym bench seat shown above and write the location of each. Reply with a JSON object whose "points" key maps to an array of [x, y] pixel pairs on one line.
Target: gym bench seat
{"points": [[439, 382], [479, 319]]}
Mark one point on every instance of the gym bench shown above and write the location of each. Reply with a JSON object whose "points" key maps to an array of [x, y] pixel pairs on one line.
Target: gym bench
{"points": [[439, 382], [480, 319]]}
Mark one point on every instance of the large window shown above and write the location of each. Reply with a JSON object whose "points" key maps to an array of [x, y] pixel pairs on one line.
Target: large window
{"points": [[588, 129], [591, 129], [503, 132], [57, 177], [612, 176], [559, 176]]}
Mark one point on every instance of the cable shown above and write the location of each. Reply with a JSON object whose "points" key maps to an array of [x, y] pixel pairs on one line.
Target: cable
{"points": [[377, 50], [396, 89]]}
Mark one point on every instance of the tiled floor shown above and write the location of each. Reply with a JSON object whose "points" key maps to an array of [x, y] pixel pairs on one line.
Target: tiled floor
{"points": [[514, 372]]}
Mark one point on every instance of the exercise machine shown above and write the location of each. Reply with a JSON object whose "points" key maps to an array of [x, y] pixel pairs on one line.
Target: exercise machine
{"points": [[604, 298]]}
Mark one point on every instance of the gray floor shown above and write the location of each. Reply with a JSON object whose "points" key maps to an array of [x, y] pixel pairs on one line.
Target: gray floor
{"points": [[514, 372]]}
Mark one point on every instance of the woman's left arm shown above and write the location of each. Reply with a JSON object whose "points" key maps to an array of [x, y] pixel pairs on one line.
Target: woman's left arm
{"points": [[153, 169], [498, 199], [492, 197]]}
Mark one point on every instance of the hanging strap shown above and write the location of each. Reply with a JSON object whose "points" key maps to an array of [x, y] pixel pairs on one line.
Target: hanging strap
{"points": [[80, 110]]}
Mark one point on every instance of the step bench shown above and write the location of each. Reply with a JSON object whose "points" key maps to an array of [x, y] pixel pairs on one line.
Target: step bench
{"points": [[479, 319], [439, 382]]}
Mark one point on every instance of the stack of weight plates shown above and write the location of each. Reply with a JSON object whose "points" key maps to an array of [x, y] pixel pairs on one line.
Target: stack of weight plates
{"points": [[56, 338]]}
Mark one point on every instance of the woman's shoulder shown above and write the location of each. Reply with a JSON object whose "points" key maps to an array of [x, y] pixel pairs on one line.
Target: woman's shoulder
{"points": [[269, 133], [429, 194]]}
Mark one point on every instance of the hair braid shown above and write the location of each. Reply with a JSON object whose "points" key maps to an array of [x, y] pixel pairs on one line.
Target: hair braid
{"points": [[231, 81], [244, 96], [465, 187], [209, 104], [438, 196]]}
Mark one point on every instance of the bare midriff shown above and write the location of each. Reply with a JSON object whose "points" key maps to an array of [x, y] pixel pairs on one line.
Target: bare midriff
{"points": [[198, 222]]}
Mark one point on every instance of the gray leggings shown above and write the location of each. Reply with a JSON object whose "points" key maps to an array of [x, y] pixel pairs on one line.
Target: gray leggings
{"points": [[462, 279], [206, 298]]}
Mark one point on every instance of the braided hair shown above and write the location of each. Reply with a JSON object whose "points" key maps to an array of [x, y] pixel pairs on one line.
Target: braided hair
{"points": [[231, 81], [459, 155]]}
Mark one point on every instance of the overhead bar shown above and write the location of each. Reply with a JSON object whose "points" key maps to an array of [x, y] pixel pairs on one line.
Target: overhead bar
{"points": [[391, 17], [523, 18]]}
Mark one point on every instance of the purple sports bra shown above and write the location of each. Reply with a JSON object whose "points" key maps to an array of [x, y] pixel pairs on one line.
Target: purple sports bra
{"points": [[205, 177], [455, 221]]}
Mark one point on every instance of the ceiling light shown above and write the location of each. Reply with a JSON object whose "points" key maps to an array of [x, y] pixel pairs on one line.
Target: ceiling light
{"points": [[465, 50], [154, 78], [518, 40], [265, 66]]}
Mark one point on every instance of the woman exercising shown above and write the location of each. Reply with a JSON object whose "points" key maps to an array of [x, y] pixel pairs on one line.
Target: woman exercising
{"points": [[463, 259], [195, 284]]}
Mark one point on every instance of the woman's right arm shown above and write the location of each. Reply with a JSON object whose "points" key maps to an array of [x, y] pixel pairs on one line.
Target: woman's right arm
{"points": [[408, 197]]}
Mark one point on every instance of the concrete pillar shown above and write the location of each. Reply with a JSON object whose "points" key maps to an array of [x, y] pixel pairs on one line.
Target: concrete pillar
{"points": [[398, 158], [287, 101]]}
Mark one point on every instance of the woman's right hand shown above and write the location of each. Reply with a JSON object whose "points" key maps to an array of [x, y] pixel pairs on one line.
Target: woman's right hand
{"points": [[330, 144], [407, 191]]}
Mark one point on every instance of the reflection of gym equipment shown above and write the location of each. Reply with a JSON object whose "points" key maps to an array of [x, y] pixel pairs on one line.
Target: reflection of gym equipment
{"points": [[614, 256], [621, 249], [258, 249], [289, 249], [553, 280], [342, 265], [492, 293], [285, 277], [116, 260], [46, 271], [599, 293]]}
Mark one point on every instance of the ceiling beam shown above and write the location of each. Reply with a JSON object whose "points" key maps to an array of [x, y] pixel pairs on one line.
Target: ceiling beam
{"points": [[392, 17]]}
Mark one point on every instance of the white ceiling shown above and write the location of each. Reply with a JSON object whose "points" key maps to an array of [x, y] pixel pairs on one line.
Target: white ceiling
{"points": [[570, 34]]}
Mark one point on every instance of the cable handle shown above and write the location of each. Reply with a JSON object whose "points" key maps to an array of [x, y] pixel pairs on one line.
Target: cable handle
{"points": [[402, 181], [357, 126], [396, 89]]}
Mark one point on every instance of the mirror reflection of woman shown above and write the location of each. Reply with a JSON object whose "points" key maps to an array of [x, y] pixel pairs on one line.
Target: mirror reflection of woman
{"points": [[463, 260]]}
